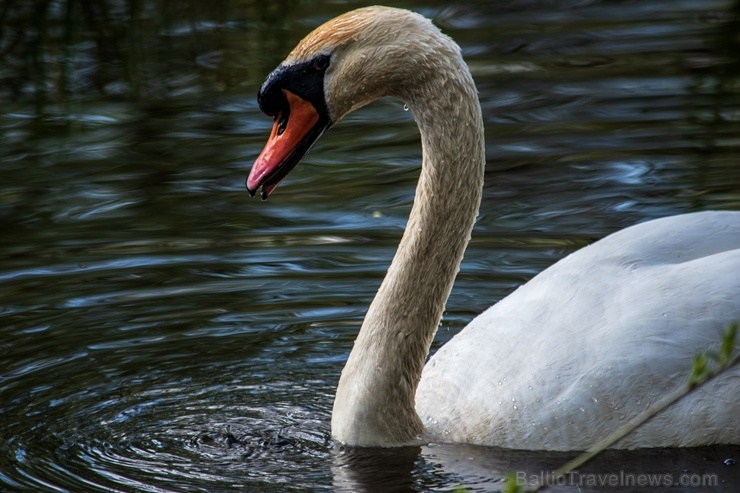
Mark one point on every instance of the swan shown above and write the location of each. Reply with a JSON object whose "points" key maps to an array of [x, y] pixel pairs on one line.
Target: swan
{"points": [[563, 360]]}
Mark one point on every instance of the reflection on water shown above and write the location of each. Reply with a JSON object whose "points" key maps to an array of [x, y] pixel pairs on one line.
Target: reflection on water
{"points": [[161, 331]]}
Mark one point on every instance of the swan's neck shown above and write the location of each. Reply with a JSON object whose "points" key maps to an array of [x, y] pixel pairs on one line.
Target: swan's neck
{"points": [[374, 405]]}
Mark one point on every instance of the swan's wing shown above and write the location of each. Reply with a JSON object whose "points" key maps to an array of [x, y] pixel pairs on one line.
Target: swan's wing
{"points": [[593, 340]]}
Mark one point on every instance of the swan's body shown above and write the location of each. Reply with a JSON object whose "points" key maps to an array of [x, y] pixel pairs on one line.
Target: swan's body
{"points": [[564, 360], [594, 340]]}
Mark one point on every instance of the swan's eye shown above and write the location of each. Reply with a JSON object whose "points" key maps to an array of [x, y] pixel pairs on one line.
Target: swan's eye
{"points": [[321, 63]]}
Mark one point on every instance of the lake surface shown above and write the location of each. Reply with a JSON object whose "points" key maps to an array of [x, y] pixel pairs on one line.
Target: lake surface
{"points": [[160, 331]]}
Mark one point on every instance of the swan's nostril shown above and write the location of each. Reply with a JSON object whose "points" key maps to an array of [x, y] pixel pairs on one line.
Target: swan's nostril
{"points": [[282, 119]]}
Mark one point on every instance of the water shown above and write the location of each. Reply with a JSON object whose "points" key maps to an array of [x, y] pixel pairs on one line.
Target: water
{"points": [[161, 331]]}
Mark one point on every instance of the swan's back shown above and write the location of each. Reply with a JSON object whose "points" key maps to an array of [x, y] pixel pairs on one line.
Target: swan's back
{"points": [[594, 340]]}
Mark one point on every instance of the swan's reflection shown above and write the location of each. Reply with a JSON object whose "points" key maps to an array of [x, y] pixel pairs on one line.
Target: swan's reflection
{"points": [[376, 469], [474, 468]]}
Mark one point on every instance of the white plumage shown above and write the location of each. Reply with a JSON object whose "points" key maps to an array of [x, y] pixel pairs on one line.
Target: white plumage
{"points": [[594, 340]]}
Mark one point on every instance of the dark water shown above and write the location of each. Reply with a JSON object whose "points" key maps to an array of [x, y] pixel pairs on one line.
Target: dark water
{"points": [[160, 331]]}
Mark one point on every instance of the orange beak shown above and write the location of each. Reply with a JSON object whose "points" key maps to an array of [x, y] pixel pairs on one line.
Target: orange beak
{"points": [[295, 130]]}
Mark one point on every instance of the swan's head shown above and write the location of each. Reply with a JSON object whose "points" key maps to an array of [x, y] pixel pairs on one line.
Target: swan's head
{"points": [[344, 64]]}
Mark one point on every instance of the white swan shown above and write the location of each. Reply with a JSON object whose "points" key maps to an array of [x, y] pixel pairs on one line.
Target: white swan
{"points": [[562, 361]]}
